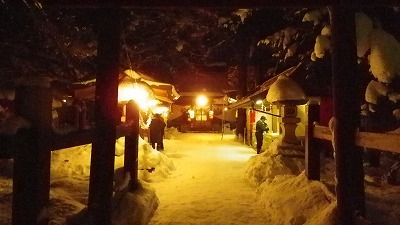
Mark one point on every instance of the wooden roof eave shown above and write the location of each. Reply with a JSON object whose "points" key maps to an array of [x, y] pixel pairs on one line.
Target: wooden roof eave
{"points": [[247, 102]]}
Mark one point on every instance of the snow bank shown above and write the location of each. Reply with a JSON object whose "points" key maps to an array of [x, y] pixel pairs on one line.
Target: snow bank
{"points": [[311, 203], [136, 208], [76, 161], [263, 168], [170, 133]]}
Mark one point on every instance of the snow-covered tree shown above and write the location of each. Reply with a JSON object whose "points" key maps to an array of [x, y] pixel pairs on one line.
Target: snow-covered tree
{"points": [[379, 51]]}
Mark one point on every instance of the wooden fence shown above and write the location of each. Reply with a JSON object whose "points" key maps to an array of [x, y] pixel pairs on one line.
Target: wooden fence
{"points": [[388, 142], [31, 151]]}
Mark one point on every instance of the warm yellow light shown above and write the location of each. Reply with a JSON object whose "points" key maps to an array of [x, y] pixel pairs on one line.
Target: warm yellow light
{"points": [[259, 102], [128, 91], [191, 114], [211, 114], [160, 110], [226, 109], [125, 92], [201, 100]]}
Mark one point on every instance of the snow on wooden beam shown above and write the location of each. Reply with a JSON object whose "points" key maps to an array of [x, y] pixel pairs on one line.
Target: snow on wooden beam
{"points": [[217, 4], [388, 142]]}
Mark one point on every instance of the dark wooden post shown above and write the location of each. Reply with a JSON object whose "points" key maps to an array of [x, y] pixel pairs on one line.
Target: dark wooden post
{"points": [[31, 181], [312, 160], [83, 116], [106, 116], [349, 170], [132, 144]]}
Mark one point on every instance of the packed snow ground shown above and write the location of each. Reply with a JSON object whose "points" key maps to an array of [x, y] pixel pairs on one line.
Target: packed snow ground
{"points": [[208, 185], [201, 179]]}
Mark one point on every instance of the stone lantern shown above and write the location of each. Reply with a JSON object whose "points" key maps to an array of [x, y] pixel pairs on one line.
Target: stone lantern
{"points": [[287, 94]]}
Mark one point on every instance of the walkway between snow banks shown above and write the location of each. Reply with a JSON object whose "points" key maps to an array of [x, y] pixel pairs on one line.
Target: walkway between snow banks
{"points": [[207, 187]]}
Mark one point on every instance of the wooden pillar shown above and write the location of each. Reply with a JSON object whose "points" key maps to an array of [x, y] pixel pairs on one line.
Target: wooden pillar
{"points": [[312, 160], [132, 144], [106, 116], [349, 170], [31, 181]]}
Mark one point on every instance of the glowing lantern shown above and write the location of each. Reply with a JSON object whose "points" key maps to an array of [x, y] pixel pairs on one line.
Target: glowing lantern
{"points": [[191, 113], [137, 91], [201, 100]]}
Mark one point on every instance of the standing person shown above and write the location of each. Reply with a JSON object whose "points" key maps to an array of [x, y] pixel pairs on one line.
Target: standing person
{"points": [[156, 128], [261, 126]]}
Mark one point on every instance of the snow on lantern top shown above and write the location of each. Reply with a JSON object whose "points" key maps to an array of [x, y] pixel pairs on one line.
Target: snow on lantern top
{"points": [[285, 89]]}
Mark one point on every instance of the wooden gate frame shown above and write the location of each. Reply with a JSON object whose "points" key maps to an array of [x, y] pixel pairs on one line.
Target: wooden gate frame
{"points": [[344, 64]]}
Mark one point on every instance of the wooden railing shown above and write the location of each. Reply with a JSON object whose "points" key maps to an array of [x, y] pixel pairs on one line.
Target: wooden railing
{"points": [[31, 149], [389, 142]]}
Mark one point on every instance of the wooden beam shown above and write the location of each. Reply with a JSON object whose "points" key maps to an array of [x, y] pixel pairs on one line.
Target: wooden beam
{"points": [[322, 132], [131, 161], [345, 82], [381, 141], [312, 154], [31, 179], [106, 115], [84, 137], [218, 4], [384, 142]]}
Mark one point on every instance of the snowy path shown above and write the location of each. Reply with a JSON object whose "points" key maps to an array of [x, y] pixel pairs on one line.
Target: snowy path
{"points": [[207, 186]]}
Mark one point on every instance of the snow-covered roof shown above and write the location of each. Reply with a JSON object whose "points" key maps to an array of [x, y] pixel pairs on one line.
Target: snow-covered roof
{"points": [[163, 91], [263, 90], [285, 89]]}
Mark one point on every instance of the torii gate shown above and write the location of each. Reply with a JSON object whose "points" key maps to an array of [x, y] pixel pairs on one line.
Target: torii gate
{"points": [[349, 170]]}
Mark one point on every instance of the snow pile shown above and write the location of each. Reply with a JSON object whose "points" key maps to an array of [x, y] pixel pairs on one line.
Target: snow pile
{"points": [[283, 89], [136, 208], [170, 133], [263, 168], [76, 161], [311, 203], [153, 165]]}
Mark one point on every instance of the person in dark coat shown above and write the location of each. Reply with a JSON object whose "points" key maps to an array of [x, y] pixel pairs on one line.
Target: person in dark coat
{"points": [[156, 128], [261, 127]]}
